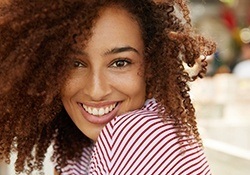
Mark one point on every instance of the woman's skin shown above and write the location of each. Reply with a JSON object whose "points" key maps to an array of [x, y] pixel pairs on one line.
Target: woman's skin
{"points": [[55, 172], [107, 78]]}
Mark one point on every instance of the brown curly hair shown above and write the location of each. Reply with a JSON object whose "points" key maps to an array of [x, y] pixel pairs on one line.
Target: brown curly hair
{"points": [[36, 37]]}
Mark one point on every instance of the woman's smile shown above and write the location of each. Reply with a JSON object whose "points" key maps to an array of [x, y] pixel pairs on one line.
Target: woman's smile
{"points": [[101, 114], [100, 111]]}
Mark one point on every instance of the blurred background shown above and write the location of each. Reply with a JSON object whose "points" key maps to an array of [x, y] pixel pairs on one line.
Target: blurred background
{"points": [[222, 98]]}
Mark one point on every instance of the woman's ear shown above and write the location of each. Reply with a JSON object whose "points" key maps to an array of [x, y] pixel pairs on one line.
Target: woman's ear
{"points": [[149, 90], [148, 78], [55, 172], [149, 95]]}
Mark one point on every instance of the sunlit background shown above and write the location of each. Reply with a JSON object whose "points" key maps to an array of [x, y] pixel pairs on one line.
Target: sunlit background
{"points": [[222, 98]]}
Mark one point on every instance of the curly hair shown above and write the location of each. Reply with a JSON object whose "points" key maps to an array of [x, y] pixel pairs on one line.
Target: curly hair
{"points": [[35, 46]]}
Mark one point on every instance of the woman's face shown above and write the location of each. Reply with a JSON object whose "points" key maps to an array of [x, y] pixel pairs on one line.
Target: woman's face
{"points": [[108, 75]]}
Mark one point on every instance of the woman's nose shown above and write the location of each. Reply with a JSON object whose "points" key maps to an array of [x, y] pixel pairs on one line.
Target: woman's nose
{"points": [[97, 86]]}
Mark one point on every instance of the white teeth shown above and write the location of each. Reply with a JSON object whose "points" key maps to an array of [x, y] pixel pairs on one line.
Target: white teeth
{"points": [[95, 111], [106, 110], [99, 111]]}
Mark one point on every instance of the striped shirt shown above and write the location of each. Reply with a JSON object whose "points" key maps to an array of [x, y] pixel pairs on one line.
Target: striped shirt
{"points": [[139, 142]]}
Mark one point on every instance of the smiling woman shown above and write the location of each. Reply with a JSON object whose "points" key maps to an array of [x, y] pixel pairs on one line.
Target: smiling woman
{"points": [[104, 83], [96, 84]]}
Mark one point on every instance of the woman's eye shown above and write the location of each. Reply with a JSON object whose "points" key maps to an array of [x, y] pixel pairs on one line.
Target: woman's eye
{"points": [[78, 64], [121, 63]]}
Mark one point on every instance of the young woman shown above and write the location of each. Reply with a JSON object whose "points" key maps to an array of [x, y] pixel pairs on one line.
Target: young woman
{"points": [[104, 82]]}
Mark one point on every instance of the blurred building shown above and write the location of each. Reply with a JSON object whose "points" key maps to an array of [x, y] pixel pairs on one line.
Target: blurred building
{"points": [[222, 21]]}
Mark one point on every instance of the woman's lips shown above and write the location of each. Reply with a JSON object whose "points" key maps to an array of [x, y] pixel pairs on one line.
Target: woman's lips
{"points": [[99, 115]]}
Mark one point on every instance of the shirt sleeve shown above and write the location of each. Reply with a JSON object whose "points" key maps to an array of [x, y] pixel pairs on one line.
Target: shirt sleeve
{"points": [[141, 143], [80, 167]]}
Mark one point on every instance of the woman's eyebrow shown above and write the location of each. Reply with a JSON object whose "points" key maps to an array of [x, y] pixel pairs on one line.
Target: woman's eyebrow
{"points": [[78, 52], [121, 49], [114, 50]]}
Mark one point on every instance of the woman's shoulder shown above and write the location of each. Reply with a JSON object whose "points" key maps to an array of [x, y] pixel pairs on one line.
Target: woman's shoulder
{"points": [[140, 142], [143, 123]]}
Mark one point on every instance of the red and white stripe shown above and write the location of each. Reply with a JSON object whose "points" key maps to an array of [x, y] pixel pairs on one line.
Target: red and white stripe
{"points": [[139, 142], [81, 167]]}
